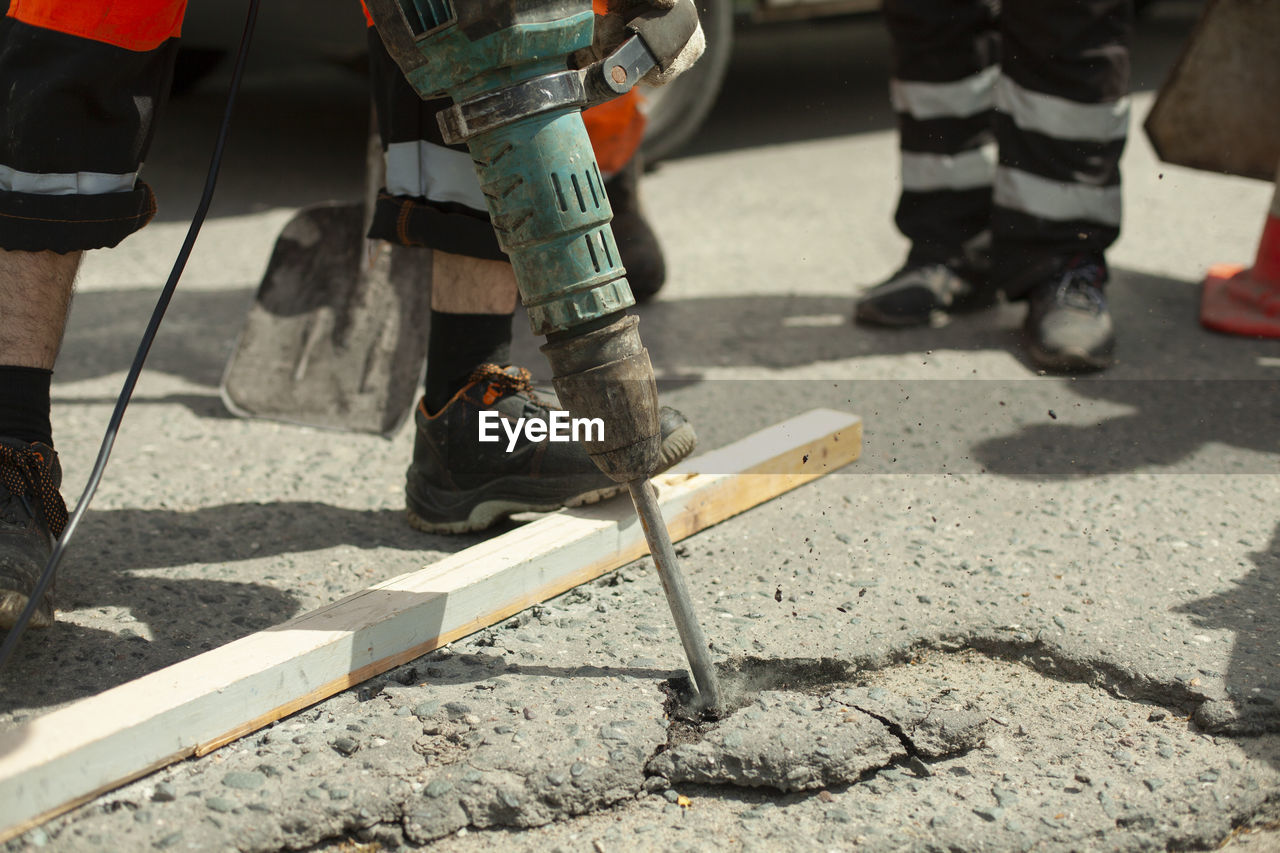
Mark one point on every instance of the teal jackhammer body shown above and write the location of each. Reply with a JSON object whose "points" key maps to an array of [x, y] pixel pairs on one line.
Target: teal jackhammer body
{"points": [[519, 109], [517, 106]]}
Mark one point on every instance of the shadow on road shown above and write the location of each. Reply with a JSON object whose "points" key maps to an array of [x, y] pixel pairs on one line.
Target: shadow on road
{"points": [[446, 668], [1166, 423], [1156, 317], [1250, 609], [188, 615], [199, 330], [227, 533], [1180, 399], [1176, 390], [185, 617]]}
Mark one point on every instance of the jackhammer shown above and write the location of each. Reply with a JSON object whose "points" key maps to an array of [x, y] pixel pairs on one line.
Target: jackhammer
{"points": [[518, 107]]}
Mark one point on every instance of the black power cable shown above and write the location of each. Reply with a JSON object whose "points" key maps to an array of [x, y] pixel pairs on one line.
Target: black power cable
{"points": [[144, 347]]}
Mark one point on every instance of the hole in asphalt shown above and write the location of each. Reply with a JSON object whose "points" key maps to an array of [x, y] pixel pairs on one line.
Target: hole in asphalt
{"points": [[804, 723], [741, 680]]}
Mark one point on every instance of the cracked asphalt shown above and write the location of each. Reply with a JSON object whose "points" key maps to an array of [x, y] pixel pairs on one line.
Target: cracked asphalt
{"points": [[1037, 614]]}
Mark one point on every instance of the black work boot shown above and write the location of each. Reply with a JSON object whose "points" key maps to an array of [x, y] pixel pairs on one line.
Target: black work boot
{"points": [[638, 246], [32, 515], [923, 287], [1068, 326], [458, 484], [911, 295]]}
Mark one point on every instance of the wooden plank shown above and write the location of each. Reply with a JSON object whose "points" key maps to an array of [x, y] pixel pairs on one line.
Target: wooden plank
{"points": [[71, 755]]}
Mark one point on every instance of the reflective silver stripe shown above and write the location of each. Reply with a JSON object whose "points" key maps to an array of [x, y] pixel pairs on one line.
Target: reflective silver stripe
{"points": [[1056, 200], [1060, 118], [433, 172], [957, 99], [964, 171], [64, 183]]}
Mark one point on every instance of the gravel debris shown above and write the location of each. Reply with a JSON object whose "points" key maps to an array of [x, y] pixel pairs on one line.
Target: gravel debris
{"points": [[246, 781], [345, 745]]}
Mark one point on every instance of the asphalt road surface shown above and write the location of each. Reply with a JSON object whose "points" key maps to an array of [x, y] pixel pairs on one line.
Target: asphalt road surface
{"points": [[1038, 613]]}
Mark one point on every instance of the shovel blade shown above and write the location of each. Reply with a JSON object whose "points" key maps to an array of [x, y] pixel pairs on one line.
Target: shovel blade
{"points": [[337, 335], [1217, 110]]}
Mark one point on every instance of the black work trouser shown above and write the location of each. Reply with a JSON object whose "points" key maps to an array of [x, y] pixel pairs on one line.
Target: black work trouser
{"points": [[77, 110], [431, 197], [1012, 119], [79, 107]]}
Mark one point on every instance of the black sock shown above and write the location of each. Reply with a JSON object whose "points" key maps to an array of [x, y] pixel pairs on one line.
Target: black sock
{"points": [[459, 343], [24, 404]]}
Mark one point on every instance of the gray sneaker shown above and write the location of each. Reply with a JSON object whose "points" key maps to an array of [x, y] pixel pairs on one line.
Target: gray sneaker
{"points": [[1068, 327], [912, 295]]}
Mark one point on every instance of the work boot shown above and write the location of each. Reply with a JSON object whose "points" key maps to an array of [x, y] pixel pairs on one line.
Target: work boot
{"points": [[1068, 326], [458, 484], [32, 515], [638, 247], [911, 295]]}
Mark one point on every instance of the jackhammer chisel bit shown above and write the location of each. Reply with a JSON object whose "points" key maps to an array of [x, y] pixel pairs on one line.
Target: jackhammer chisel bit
{"points": [[518, 107], [664, 557]]}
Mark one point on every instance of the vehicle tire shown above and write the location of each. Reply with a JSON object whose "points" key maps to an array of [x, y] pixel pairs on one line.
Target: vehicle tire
{"points": [[677, 110]]}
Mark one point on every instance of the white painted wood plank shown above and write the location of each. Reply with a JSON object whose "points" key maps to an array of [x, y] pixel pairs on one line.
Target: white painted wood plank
{"points": [[72, 754]]}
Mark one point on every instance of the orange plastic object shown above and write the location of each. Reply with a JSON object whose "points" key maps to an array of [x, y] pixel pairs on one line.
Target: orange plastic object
{"points": [[616, 129], [133, 25], [1242, 301]]}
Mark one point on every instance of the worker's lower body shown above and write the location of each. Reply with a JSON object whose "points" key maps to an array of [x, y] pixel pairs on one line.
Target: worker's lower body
{"points": [[1012, 118], [81, 91], [433, 199], [79, 109]]}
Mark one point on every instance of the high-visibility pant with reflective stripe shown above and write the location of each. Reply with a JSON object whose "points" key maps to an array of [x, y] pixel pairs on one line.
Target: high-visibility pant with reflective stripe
{"points": [[85, 79], [82, 82], [1012, 117]]}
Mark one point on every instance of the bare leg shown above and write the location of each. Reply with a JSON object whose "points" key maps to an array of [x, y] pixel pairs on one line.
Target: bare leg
{"points": [[35, 291], [35, 288], [473, 303], [463, 285]]}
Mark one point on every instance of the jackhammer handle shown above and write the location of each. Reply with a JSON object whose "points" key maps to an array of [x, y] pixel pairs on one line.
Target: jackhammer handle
{"points": [[396, 34], [618, 72]]}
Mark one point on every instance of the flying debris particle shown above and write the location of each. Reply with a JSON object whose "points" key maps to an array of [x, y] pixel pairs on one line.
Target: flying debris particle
{"points": [[1053, 414]]}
